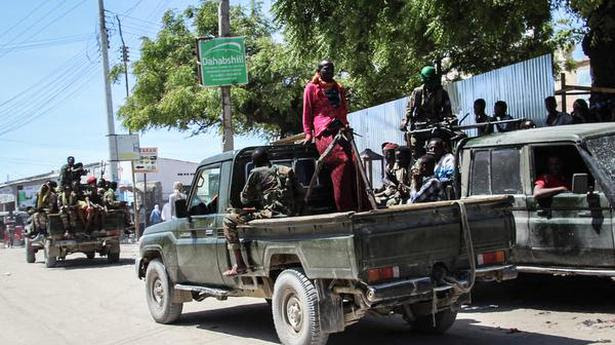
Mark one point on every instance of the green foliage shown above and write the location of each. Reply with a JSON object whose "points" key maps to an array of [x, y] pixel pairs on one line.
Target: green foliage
{"points": [[167, 93], [382, 44]]}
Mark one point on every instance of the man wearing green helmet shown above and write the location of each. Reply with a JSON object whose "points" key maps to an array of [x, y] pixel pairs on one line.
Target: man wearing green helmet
{"points": [[429, 104]]}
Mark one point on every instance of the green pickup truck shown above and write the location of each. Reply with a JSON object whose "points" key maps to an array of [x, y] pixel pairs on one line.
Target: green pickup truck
{"points": [[568, 233], [324, 270]]}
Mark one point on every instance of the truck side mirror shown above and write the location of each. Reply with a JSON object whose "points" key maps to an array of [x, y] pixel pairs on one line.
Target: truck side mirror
{"points": [[580, 183], [181, 210]]}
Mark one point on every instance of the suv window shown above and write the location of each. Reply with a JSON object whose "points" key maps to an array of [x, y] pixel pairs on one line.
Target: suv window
{"points": [[495, 171], [205, 198]]}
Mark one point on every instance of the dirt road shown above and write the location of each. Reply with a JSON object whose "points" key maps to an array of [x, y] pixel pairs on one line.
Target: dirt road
{"points": [[89, 302]]}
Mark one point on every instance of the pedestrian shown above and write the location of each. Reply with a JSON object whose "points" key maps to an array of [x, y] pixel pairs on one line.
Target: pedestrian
{"points": [[178, 194], [142, 220], [500, 109], [480, 116], [324, 114], [155, 217], [165, 214], [429, 104], [554, 117]]}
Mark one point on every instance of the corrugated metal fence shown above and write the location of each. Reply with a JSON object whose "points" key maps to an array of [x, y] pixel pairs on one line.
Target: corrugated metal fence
{"points": [[523, 86]]}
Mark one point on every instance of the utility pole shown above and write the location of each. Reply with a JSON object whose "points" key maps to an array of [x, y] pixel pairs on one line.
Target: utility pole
{"points": [[224, 30], [135, 209], [104, 46]]}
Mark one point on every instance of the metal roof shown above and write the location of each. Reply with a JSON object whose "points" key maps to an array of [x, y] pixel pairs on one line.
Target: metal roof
{"points": [[543, 135]]}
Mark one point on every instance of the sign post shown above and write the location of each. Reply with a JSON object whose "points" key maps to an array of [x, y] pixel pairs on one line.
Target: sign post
{"points": [[148, 162]]}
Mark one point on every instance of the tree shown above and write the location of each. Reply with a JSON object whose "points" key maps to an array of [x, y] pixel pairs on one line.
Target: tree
{"points": [[167, 93], [382, 44]]}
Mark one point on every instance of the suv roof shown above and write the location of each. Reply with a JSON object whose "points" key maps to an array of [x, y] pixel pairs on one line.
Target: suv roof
{"points": [[543, 134]]}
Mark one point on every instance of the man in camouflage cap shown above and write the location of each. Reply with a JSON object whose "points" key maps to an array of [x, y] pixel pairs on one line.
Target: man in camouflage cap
{"points": [[270, 191]]}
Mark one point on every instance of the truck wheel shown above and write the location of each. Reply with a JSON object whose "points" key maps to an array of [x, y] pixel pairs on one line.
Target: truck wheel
{"points": [[50, 261], [90, 255], [30, 253], [444, 321], [296, 313], [113, 257], [159, 293]]}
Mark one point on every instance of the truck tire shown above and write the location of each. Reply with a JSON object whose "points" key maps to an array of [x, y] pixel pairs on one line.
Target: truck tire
{"points": [[30, 253], [159, 292], [90, 255], [50, 261], [444, 321], [295, 309], [113, 257]]}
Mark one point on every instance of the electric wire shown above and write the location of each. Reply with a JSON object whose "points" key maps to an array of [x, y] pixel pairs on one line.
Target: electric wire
{"points": [[24, 18]]}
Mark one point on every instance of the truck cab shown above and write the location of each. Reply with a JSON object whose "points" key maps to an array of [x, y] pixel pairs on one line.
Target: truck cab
{"points": [[568, 233]]}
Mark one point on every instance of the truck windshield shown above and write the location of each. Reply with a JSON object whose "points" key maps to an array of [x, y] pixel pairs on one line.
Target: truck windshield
{"points": [[602, 149]]}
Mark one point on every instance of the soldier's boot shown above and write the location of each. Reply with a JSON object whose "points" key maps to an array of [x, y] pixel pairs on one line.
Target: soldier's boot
{"points": [[239, 267]]}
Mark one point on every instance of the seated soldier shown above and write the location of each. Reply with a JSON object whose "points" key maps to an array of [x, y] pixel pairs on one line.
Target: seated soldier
{"points": [[425, 185], [445, 166], [398, 191], [271, 191], [553, 182], [388, 151], [46, 202], [68, 205], [94, 210]]}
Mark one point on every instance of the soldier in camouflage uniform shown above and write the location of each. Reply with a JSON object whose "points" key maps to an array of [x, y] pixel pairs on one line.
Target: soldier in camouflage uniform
{"points": [[94, 210], [398, 191], [70, 213], [270, 191], [46, 202], [428, 104]]}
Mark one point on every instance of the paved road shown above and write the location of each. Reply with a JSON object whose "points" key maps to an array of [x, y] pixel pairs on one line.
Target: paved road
{"points": [[89, 302]]}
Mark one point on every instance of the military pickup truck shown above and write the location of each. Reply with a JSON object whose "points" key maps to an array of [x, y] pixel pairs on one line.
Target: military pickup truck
{"points": [[324, 270], [105, 241], [568, 233]]}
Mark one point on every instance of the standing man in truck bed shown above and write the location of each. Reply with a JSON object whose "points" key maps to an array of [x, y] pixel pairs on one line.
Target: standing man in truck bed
{"points": [[272, 191]]}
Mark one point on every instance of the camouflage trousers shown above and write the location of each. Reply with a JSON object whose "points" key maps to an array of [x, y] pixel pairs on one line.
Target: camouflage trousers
{"points": [[69, 218], [40, 221], [232, 220]]}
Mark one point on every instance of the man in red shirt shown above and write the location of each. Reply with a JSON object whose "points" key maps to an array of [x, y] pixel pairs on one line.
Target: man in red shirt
{"points": [[324, 100], [552, 183]]}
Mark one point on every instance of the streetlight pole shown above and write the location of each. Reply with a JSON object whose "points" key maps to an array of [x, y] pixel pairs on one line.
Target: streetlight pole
{"points": [[224, 30]]}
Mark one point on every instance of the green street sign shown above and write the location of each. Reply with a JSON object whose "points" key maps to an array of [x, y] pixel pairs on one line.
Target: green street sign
{"points": [[222, 61]]}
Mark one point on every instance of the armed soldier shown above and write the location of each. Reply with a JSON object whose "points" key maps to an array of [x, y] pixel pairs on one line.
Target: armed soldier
{"points": [[429, 105], [270, 191], [71, 171], [46, 202], [398, 190], [70, 213], [94, 210]]}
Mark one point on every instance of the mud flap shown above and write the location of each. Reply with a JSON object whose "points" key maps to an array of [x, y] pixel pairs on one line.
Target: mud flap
{"points": [[331, 309]]}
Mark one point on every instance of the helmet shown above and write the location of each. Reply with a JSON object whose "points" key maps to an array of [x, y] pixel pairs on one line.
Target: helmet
{"points": [[428, 73]]}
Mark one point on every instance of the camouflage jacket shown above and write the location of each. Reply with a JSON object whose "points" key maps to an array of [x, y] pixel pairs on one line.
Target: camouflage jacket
{"points": [[428, 106], [273, 188]]}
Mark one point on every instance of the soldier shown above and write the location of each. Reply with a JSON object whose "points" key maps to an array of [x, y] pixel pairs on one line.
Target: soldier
{"points": [[425, 186], [398, 191], [481, 117], [69, 209], [94, 210], [445, 161], [388, 151], [66, 172], [46, 202], [429, 104], [271, 191]]}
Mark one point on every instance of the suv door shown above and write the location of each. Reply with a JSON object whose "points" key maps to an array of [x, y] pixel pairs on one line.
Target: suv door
{"points": [[573, 230], [197, 243]]}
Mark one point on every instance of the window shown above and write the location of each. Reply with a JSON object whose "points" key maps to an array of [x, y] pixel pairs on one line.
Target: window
{"points": [[495, 171], [505, 177], [205, 199], [480, 173]]}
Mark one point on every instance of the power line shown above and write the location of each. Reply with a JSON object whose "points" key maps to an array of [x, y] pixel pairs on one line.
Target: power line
{"points": [[24, 18]]}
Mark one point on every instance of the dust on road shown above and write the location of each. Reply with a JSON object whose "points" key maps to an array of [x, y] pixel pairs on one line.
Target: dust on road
{"points": [[90, 302]]}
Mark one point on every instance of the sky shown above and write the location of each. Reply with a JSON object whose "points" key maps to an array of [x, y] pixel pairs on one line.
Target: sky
{"points": [[52, 92]]}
